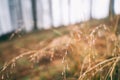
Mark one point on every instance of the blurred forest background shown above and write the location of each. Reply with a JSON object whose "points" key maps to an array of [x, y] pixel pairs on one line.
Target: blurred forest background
{"points": [[44, 14]]}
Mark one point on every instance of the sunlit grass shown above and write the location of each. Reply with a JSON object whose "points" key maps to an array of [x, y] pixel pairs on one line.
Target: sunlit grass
{"points": [[85, 53]]}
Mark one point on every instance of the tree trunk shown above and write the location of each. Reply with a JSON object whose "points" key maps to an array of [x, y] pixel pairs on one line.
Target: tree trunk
{"points": [[111, 10], [34, 14]]}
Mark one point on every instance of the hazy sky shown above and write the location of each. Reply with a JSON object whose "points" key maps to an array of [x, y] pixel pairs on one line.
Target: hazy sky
{"points": [[117, 6]]}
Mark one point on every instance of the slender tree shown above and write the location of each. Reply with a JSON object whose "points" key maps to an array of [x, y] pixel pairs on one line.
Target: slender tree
{"points": [[90, 9], [51, 16], [34, 13], [111, 10], [112, 16]]}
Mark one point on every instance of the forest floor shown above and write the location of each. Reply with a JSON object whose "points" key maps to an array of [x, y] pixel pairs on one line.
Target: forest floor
{"points": [[45, 68]]}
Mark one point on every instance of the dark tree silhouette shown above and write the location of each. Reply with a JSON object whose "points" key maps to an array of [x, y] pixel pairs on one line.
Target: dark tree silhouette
{"points": [[34, 13], [111, 10]]}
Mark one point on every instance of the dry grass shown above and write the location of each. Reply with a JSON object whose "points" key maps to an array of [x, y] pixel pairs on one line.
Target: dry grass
{"points": [[88, 53], [94, 53]]}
